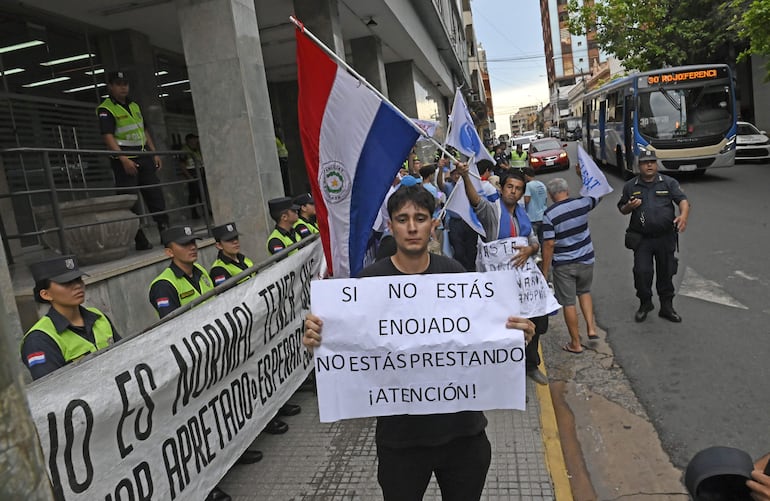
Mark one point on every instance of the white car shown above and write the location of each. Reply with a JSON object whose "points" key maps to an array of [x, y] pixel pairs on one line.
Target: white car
{"points": [[751, 143]]}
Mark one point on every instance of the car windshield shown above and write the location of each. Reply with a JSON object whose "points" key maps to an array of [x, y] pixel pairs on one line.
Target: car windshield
{"points": [[667, 113], [747, 129], [546, 144]]}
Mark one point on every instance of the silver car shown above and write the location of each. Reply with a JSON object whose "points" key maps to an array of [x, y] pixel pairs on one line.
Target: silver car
{"points": [[751, 143]]}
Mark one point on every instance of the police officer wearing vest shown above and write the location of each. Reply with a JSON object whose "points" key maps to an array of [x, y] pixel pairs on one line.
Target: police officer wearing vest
{"points": [[652, 234], [123, 129], [191, 159], [180, 283], [306, 213], [184, 279], [230, 262], [69, 330], [284, 213], [518, 157]]}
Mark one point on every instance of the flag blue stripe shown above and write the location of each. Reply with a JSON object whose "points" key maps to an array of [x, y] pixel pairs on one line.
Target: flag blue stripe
{"points": [[387, 145]]}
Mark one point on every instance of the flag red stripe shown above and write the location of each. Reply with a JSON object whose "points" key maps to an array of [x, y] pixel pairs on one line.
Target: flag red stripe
{"points": [[315, 76]]}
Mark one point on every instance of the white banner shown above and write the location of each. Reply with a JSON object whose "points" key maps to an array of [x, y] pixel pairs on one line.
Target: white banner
{"points": [[418, 344], [165, 414], [535, 297]]}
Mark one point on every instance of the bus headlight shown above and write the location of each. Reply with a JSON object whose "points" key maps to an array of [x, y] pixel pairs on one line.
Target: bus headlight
{"points": [[730, 145]]}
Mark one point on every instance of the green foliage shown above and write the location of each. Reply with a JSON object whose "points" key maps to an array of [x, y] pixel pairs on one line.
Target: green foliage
{"points": [[648, 34], [750, 22]]}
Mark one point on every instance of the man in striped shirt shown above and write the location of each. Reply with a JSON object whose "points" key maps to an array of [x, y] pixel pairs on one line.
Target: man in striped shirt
{"points": [[567, 246]]}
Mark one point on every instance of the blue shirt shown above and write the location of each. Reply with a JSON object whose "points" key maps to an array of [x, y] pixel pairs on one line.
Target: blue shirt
{"points": [[537, 200], [567, 223]]}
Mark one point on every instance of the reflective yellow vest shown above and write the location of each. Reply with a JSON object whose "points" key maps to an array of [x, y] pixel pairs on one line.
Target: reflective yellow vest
{"points": [[518, 160], [129, 127], [310, 226], [287, 241], [72, 345], [232, 269], [184, 288]]}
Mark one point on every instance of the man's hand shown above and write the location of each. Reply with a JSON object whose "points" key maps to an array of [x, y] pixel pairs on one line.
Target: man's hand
{"points": [[759, 486], [680, 223], [523, 254], [158, 162], [522, 324], [129, 166], [313, 326], [632, 204]]}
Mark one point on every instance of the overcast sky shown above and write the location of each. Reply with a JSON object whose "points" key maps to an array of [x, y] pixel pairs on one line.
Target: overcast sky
{"points": [[512, 36]]}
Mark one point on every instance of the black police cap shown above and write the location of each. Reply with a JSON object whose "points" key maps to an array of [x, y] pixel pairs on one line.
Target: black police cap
{"points": [[719, 473], [117, 76], [648, 156], [276, 206], [224, 232], [303, 199], [60, 269], [181, 235]]}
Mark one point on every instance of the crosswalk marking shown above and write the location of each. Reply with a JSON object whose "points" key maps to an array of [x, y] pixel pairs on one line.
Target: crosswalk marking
{"points": [[695, 286]]}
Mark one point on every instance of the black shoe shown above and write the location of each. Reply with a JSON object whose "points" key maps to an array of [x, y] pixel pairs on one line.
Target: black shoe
{"points": [[141, 241], [218, 494], [644, 309], [276, 427], [250, 457], [670, 314], [289, 410]]}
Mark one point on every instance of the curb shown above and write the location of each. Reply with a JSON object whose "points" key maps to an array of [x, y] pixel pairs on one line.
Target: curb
{"points": [[549, 431]]}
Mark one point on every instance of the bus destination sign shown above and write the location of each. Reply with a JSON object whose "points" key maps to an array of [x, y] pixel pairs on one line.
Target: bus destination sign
{"points": [[675, 77]]}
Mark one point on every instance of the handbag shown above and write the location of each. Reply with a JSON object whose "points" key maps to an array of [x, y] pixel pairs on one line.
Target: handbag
{"points": [[633, 239]]}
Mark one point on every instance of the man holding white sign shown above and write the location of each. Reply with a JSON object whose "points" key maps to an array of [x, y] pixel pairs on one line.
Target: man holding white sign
{"points": [[509, 231], [413, 446]]}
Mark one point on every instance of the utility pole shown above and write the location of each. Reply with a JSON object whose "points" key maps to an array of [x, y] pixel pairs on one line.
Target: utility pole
{"points": [[22, 467]]}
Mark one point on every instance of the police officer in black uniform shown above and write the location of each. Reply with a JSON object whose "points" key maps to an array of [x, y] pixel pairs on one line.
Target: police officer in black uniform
{"points": [[69, 330], [650, 198], [123, 129]]}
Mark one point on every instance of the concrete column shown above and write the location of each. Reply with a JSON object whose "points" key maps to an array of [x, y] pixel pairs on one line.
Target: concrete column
{"points": [[229, 90], [367, 60], [322, 17], [400, 81]]}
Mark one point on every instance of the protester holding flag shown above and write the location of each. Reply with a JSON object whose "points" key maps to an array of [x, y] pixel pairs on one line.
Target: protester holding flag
{"points": [[505, 218], [411, 448], [69, 330], [567, 247]]}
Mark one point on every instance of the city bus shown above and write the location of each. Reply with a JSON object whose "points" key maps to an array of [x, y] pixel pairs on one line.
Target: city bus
{"points": [[687, 115]]}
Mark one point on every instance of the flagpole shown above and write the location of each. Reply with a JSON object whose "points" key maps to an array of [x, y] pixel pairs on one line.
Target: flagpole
{"points": [[454, 190], [371, 87]]}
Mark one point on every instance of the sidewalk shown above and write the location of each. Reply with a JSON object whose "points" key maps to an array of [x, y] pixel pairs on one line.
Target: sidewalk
{"points": [[338, 461]]}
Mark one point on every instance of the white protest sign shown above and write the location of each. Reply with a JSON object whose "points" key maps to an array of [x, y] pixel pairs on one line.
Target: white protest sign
{"points": [[535, 297], [165, 414], [417, 344], [594, 183]]}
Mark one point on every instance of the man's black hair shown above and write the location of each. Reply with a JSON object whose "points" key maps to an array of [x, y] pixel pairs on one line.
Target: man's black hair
{"points": [[427, 170], [484, 165], [418, 195], [512, 173]]}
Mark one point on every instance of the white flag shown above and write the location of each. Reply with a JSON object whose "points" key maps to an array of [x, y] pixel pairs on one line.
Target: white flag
{"points": [[594, 183], [459, 204], [462, 134]]}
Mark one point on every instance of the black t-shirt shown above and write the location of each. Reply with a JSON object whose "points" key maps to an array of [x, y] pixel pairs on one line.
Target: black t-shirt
{"points": [[431, 429]]}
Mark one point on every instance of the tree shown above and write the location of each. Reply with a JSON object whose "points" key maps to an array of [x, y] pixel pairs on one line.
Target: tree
{"points": [[750, 21], [648, 34]]}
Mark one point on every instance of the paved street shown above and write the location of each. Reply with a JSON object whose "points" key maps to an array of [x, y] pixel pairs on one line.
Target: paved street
{"points": [[701, 382]]}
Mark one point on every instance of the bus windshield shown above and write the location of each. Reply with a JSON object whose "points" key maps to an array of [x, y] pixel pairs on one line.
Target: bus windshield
{"points": [[676, 112]]}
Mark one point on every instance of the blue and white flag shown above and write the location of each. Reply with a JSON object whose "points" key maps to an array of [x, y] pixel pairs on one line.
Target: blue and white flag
{"points": [[459, 204], [594, 183], [462, 134]]}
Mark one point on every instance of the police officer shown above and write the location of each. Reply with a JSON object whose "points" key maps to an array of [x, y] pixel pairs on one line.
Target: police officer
{"points": [[180, 283], [650, 198], [306, 212], [518, 157], [284, 213], [230, 261], [122, 127], [184, 279], [191, 159], [68, 331]]}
